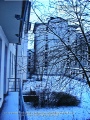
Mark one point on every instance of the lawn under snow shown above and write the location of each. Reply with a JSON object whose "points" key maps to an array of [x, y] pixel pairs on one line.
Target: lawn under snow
{"points": [[74, 87]]}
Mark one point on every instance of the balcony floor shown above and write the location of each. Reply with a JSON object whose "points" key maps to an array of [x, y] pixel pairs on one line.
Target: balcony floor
{"points": [[11, 107]]}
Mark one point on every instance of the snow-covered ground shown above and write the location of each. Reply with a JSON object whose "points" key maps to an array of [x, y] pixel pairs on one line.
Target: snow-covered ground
{"points": [[54, 83], [10, 108]]}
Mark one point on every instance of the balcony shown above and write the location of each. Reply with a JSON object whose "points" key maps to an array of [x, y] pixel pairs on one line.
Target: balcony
{"points": [[9, 20]]}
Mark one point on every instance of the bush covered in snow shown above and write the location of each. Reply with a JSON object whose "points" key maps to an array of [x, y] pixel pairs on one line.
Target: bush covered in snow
{"points": [[57, 99], [63, 99]]}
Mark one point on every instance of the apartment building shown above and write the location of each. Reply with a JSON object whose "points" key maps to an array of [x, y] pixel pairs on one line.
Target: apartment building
{"points": [[81, 49], [40, 39], [14, 25], [50, 40], [30, 62]]}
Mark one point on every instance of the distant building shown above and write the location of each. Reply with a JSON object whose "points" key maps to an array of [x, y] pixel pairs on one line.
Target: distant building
{"points": [[81, 49], [49, 41], [40, 31], [30, 62]]}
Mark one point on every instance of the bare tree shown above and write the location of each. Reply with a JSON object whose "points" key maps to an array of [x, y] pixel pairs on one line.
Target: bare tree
{"points": [[77, 13]]}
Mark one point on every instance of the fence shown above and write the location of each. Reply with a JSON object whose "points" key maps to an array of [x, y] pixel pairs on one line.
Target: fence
{"points": [[23, 115], [16, 86]]}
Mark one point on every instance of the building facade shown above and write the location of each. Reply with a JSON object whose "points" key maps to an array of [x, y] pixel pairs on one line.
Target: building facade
{"points": [[40, 31], [30, 63], [14, 26], [50, 40], [7, 64]]}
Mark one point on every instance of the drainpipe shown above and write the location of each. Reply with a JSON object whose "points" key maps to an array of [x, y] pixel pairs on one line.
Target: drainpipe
{"points": [[16, 68]]}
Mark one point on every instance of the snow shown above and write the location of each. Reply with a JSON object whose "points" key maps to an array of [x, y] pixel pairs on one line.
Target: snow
{"points": [[74, 87], [10, 108], [61, 113]]}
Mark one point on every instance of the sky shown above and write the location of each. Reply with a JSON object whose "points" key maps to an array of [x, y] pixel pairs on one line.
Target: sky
{"points": [[40, 8], [39, 5], [44, 9]]}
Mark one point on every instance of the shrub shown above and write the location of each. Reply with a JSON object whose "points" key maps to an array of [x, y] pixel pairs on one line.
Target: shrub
{"points": [[32, 92], [58, 99], [63, 99]]}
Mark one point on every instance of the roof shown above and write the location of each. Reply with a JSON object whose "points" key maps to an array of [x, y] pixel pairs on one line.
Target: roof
{"points": [[54, 18], [37, 25]]}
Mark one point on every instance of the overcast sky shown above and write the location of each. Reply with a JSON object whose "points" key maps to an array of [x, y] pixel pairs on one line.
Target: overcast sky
{"points": [[40, 6]]}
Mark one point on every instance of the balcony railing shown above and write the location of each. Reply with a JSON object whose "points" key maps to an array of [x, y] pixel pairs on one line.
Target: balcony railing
{"points": [[16, 86]]}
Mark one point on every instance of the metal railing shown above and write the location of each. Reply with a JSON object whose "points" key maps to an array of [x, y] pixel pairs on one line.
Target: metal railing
{"points": [[22, 113], [16, 86]]}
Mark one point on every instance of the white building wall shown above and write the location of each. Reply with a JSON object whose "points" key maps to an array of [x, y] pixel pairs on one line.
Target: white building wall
{"points": [[5, 64], [19, 62], [22, 58], [24, 46], [40, 35], [57, 33], [11, 60]]}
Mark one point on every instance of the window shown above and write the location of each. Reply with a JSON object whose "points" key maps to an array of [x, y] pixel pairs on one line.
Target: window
{"points": [[46, 46], [46, 63], [29, 69], [46, 55], [46, 28], [29, 57], [12, 64]]}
